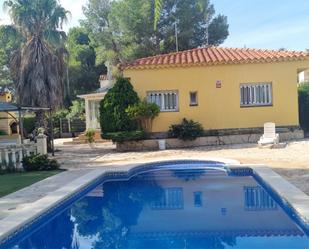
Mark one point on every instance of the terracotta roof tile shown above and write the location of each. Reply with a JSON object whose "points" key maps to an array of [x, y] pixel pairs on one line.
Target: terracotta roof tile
{"points": [[217, 55]]}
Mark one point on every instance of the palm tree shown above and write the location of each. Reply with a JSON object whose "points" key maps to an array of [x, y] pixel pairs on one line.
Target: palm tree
{"points": [[38, 67]]}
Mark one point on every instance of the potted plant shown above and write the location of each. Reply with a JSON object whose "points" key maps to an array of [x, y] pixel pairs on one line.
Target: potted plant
{"points": [[90, 133]]}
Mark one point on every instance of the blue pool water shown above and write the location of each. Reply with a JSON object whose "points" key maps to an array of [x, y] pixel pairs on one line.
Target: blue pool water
{"points": [[189, 207]]}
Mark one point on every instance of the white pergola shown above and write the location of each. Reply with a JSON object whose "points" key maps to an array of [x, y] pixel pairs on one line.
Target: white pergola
{"points": [[92, 102]]}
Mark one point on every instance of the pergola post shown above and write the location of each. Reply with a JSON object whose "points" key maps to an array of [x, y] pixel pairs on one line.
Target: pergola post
{"points": [[21, 125], [52, 131]]}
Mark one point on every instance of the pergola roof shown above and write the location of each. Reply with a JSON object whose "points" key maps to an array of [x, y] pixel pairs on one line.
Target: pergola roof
{"points": [[9, 107]]}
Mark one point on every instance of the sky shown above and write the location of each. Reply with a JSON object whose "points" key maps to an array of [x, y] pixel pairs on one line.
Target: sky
{"points": [[270, 24]]}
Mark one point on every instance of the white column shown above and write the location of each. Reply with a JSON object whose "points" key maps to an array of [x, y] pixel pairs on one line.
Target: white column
{"points": [[28, 151], [42, 144], [87, 110], [14, 157], [6, 157], [21, 156]]}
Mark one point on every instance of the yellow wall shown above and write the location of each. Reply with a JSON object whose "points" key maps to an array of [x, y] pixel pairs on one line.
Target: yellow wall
{"points": [[219, 108]]}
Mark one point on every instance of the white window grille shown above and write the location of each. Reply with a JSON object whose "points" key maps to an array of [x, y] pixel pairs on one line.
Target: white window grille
{"points": [[256, 94], [172, 198], [166, 100], [256, 198]]}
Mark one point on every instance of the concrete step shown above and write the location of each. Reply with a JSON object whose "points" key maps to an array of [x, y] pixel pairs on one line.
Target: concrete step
{"points": [[81, 139]]}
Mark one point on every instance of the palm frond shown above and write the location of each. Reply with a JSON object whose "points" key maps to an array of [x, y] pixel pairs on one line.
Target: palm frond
{"points": [[157, 12]]}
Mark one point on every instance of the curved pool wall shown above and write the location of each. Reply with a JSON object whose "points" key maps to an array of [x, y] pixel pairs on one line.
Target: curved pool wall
{"points": [[59, 208]]}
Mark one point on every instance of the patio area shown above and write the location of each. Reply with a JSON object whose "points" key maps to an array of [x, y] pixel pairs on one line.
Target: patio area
{"points": [[292, 161]]}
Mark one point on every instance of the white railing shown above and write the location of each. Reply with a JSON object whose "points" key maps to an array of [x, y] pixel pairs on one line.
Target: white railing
{"points": [[11, 155]]}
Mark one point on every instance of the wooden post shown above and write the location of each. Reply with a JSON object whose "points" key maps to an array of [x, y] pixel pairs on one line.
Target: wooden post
{"points": [[69, 125], [60, 128]]}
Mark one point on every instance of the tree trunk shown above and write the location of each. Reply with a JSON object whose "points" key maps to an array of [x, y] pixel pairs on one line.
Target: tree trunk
{"points": [[41, 121]]}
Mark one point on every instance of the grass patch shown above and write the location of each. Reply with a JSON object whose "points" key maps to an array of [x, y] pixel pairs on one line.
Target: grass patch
{"points": [[12, 182]]}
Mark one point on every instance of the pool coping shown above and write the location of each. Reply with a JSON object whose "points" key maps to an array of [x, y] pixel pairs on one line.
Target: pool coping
{"points": [[11, 224]]}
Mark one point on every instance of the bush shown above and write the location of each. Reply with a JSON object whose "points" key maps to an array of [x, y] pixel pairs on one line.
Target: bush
{"points": [[61, 113], [90, 135], [2, 132], [77, 110], [144, 113], [303, 101], [113, 116], [39, 163], [29, 124], [123, 136], [186, 130]]}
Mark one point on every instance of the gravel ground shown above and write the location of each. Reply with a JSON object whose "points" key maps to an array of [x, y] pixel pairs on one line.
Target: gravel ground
{"points": [[292, 161]]}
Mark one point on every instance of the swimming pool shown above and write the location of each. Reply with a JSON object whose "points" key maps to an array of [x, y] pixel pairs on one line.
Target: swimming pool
{"points": [[170, 205]]}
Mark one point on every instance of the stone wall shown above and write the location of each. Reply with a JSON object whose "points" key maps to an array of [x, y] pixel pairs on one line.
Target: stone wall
{"points": [[171, 143]]}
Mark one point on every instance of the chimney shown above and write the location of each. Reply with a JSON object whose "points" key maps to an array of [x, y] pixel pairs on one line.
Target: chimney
{"points": [[106, 80]]}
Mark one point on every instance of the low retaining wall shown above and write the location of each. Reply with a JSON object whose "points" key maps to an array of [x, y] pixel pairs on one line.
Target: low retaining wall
{"points": [[171, 143]]}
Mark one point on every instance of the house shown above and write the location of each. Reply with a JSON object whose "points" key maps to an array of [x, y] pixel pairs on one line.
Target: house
{"points": [[8, 123], [225, 89]]}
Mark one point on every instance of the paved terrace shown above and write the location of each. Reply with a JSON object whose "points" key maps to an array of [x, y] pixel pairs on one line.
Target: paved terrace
{"points": [[291, 162]]}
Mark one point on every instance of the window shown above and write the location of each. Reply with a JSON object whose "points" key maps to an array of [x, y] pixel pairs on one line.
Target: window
{"points": [[193, 99], [256, 94], [198, 199], [172, 198], [256, 198], [166, 100]]}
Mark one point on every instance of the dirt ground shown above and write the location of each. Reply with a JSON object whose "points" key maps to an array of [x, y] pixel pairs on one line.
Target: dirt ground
{"points": [[292, 161]]}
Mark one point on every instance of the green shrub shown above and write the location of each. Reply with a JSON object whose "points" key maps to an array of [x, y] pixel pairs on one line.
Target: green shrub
{"points": [[113, 116], [186, 130], [39, 163], [90, 135], [29, 124], [77, 110], [144, 113], [303, 101], [123, 136], [61, 113]]}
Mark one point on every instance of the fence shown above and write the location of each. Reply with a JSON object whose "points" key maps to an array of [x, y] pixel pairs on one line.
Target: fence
{"points": [[65, 127]]}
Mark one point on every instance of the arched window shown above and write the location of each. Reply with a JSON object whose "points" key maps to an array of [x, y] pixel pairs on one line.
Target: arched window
{"points": [[13, 127]]}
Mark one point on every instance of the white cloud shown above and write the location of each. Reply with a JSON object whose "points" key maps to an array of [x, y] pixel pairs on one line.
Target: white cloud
{"points": [[4, 20], [75, 7]]}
